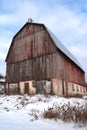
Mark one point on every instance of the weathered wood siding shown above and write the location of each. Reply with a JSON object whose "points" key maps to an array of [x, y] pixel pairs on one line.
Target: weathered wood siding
{"points": [[38, 68], [34, 56], [30, 46], [72, 73]]}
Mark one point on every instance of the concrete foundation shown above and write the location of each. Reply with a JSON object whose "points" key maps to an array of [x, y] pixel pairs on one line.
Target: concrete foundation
{"points": [[55, 86], [32, 89], [61, 88]]}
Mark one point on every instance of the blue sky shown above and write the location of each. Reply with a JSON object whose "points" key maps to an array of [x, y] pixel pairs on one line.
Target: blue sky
{"points": [[67, 19]]}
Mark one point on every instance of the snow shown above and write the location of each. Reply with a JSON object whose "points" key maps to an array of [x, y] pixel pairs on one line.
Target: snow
{"points": [[18, 112], [2, 80]]}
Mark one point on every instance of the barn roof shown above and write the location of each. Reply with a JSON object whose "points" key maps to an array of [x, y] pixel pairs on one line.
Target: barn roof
{"points": [[61, 47], [57, 42]]}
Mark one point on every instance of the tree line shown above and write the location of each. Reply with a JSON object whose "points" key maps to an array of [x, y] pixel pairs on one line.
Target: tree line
{"points": [[1, 76]]}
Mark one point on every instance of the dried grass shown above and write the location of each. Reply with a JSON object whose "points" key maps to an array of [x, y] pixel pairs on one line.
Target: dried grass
{"points": [[67, 113]]}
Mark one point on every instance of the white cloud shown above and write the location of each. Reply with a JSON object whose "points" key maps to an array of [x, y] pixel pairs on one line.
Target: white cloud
{"points": [[5, 19], [2, 67], [23, 10], [4, 46], [2, 56], [80, 51]]}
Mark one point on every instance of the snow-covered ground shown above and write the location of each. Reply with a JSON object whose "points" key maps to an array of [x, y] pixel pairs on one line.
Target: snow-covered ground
{"points": [[26, 112]]}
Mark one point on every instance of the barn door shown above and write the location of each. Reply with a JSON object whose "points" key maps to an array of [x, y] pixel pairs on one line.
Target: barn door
{"points": [[40, 88], [26, 88], [48, 87], [63, 86], [66, 89]]}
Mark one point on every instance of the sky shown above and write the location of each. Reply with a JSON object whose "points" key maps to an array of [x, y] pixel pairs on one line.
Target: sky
{"points": [[67, 19]]}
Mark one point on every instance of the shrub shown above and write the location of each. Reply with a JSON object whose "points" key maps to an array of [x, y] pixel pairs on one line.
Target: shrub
{"points": [[51, 114], [67, 113]]}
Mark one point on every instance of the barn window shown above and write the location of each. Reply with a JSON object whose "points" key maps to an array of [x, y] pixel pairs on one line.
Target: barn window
{"points": [[66, 88], [26, 88], [80, 89], [34, 84], [84, 90], [73, 87], [77, 88], [13, 88]]}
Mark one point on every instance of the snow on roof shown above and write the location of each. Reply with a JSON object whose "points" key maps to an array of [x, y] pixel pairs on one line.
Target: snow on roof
{"points": [[63, 48]]}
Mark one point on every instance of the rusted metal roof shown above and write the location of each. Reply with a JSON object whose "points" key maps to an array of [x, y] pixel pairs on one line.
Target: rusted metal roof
{"points": [[61, 47]]}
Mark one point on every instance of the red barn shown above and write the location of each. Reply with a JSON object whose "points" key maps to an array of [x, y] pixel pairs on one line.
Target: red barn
{"points": [[37, 62]]}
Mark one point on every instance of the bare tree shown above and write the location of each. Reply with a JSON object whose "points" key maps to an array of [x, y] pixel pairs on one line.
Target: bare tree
{"points": [[1, 76]]}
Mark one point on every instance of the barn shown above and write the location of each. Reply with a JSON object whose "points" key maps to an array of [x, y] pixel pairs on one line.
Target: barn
{"points": [[37, 62]]}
